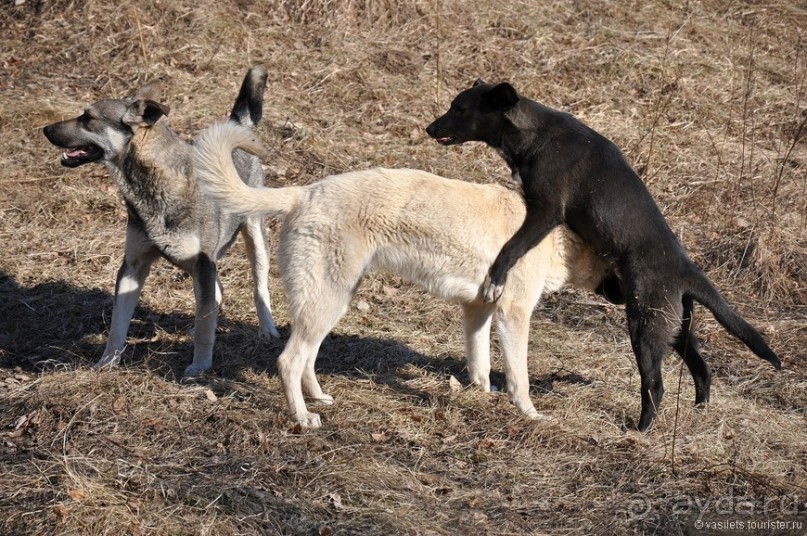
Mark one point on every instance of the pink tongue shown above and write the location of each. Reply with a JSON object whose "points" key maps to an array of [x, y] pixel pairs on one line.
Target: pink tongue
{"points": [[75, 153]]}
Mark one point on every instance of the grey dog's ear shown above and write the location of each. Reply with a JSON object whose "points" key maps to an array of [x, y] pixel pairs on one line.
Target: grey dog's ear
{"points": [[479, 82], [501, 97], [150, 91], [144, 113]]}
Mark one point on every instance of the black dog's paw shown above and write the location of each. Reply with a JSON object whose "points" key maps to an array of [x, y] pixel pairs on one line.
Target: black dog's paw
{"points": [[491, 290]]}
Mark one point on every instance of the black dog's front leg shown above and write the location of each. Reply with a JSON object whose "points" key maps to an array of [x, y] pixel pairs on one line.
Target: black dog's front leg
{"points": [[535, 228]]}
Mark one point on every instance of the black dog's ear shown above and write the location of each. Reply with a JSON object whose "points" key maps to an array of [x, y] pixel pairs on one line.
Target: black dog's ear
{"points": [[501, 97], [151, 91], [144, 113], [479, 82]]}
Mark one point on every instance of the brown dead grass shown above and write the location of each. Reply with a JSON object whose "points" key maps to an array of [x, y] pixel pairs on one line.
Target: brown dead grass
{"points": [[707, 99]]}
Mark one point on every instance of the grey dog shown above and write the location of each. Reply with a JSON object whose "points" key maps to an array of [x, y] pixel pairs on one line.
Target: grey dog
{"points": [[167, 215]]}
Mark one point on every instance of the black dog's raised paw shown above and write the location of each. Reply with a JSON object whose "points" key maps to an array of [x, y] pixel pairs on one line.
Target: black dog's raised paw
{"points": [[492, 288]]}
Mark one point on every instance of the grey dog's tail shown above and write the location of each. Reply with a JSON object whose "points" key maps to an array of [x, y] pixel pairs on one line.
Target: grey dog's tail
{"points": [[248, 107], [702, 290], [213, 162]]}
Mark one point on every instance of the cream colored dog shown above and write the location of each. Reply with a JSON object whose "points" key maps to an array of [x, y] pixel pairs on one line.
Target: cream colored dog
{"points": [[438, 233]]}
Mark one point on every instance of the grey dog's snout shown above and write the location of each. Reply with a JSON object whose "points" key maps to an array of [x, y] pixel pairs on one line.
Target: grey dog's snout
{"points": [[48, 131]]}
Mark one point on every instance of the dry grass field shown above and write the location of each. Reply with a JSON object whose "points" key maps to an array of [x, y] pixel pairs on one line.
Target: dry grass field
{"points": [[708, 99]]}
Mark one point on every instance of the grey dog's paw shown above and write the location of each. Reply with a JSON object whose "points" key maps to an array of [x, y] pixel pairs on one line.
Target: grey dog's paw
{"points": [[108, 360], [196, 369], [491, 292], [269, 332]]}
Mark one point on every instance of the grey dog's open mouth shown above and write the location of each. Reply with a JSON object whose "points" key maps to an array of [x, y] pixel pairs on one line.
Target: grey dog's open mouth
{"points": [[81, 155]]}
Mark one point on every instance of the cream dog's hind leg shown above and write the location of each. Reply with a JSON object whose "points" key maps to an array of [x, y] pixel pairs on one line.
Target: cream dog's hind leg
{"points": [[477, 319]]}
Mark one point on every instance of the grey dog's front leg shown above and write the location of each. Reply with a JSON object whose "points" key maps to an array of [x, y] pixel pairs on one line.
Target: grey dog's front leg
{"points": [[137, 260]]}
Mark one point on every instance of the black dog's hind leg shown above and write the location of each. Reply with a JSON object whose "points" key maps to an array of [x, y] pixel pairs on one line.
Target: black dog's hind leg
{"points": [[686, 345], [610, 288], [650, 333], [537, 225]]}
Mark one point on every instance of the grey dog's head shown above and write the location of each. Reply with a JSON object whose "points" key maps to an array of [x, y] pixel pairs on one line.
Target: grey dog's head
{"points": [[103, 131], [476, 114]]}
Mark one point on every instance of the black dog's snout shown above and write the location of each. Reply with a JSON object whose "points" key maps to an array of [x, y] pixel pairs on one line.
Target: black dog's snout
{"points": [[48, 131], [430, 130]]}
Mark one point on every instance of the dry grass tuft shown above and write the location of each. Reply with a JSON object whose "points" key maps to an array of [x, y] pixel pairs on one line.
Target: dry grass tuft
{"points": [[707, 99]]}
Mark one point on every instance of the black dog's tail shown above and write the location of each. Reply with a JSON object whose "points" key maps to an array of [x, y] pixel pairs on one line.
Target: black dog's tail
{"points": [[248, 107], [702, 290]]}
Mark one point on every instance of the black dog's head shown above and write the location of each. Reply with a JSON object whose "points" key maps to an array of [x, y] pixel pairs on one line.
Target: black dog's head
{"points": [[476, 114], [103, 131]]}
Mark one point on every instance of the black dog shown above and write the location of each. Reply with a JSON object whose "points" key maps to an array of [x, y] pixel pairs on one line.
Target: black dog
{"points": [[571, 174]]}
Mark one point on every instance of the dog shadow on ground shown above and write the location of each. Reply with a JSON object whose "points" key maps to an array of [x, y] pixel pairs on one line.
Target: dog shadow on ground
{"points": [[55, 326]]}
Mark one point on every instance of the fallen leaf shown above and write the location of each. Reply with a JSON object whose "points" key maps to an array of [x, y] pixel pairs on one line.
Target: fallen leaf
{"points": [[20, 421], [449, 439], [76, 494], [379, 437], [61, 512], [325, 530], [336, 500], [154, 424], [119, 405], [363, 306], [454, 384], [486, 444], [211, 395], [390, 291]]}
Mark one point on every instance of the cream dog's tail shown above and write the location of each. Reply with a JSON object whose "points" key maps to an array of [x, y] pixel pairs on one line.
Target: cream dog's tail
{"points": [[213, 163]]}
